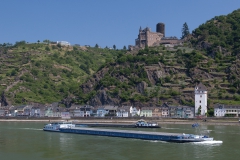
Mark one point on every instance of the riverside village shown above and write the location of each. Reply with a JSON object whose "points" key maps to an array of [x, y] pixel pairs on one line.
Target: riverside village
{"points": [[172, 111]]}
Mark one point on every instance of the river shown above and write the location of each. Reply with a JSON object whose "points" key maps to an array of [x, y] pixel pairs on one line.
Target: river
{"points": [[27, 141]]}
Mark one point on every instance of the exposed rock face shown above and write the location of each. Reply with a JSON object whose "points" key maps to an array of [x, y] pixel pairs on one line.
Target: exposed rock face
{"points": [[102, 98], [196, 73], [89, 85], [3, 100], [234, 68], [155, 72], [141, 87], [67, 101], [212, 52], [205, 45]]}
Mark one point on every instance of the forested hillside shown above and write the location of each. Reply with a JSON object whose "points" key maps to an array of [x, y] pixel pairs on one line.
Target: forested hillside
{"points": [[46, 73], [220, 31]]}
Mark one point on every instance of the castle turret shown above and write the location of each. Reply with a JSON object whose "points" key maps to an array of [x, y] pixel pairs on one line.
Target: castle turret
{"points": [[160, 28]]}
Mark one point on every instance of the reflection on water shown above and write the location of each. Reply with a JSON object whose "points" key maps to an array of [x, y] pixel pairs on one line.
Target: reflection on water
{"points": [[20, 140]]}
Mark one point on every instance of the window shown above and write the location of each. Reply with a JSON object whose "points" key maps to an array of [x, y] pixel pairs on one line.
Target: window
{"points": [[200, 96], [199, 101]]}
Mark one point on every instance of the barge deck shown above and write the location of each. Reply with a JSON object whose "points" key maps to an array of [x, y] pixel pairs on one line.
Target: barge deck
{"points": [[106, 125]]}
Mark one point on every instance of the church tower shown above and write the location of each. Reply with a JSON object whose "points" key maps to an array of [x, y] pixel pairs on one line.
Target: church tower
{"points": [[200, 99]]}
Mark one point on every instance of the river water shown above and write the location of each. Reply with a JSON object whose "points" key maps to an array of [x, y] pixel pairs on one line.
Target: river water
{"points": [[27, 141]]}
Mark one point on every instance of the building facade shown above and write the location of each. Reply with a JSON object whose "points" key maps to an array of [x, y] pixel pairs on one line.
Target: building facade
{"points": [[134, 111], [147, 38], [123, 111], [221, 110], [146, 112], [165, 110], [101, 112], [63, 43], [200, 99], [170, 40], [157, 112]]}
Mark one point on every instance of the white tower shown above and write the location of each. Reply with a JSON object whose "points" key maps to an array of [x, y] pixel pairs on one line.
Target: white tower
{"points": [[200, 99]]}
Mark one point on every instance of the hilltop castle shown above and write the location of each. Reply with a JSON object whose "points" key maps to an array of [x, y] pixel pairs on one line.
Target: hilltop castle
{"points": [[148, 38]]}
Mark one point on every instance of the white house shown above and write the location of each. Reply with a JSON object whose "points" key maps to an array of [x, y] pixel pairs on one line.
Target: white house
{"points": [[134, 111], [101, 112], [85, 111], [123, 111], [200, 99], [63, 43], [221, 110]]}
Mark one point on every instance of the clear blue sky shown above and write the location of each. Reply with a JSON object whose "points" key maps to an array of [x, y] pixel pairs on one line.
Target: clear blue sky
{"points": [[105, 22]]}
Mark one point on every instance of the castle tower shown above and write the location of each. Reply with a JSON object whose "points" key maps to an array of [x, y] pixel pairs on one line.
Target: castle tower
{"points": [[200, 99], [160, 28]]}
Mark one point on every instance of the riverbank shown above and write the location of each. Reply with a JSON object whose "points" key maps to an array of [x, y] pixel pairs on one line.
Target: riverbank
{"points": [[207, 121]]}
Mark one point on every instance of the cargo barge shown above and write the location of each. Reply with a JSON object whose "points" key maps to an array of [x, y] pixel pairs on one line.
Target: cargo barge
{"points": [[159, 136], [68, 127]]}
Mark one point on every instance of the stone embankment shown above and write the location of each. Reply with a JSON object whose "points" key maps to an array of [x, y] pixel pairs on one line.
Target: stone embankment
{"points": [[205, 121]]}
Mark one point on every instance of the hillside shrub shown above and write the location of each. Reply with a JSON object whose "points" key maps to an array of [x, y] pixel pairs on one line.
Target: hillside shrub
{"points": [[232, 90]]}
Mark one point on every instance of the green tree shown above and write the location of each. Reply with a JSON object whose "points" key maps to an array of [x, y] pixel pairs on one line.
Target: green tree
{"points": [[199, 110], [47, 48], [114, 47], [13, 73], [185, 30], [124, 47], [46, 41], [59, 45], [96, 46], [210, 112], [20, 43]]}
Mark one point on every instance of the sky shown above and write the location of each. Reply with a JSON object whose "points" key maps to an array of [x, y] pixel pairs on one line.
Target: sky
{"points": [[102, 22]]}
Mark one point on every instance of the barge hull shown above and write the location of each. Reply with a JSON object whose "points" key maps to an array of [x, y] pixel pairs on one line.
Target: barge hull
{"points": [[168, 137], [51, 130]]}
